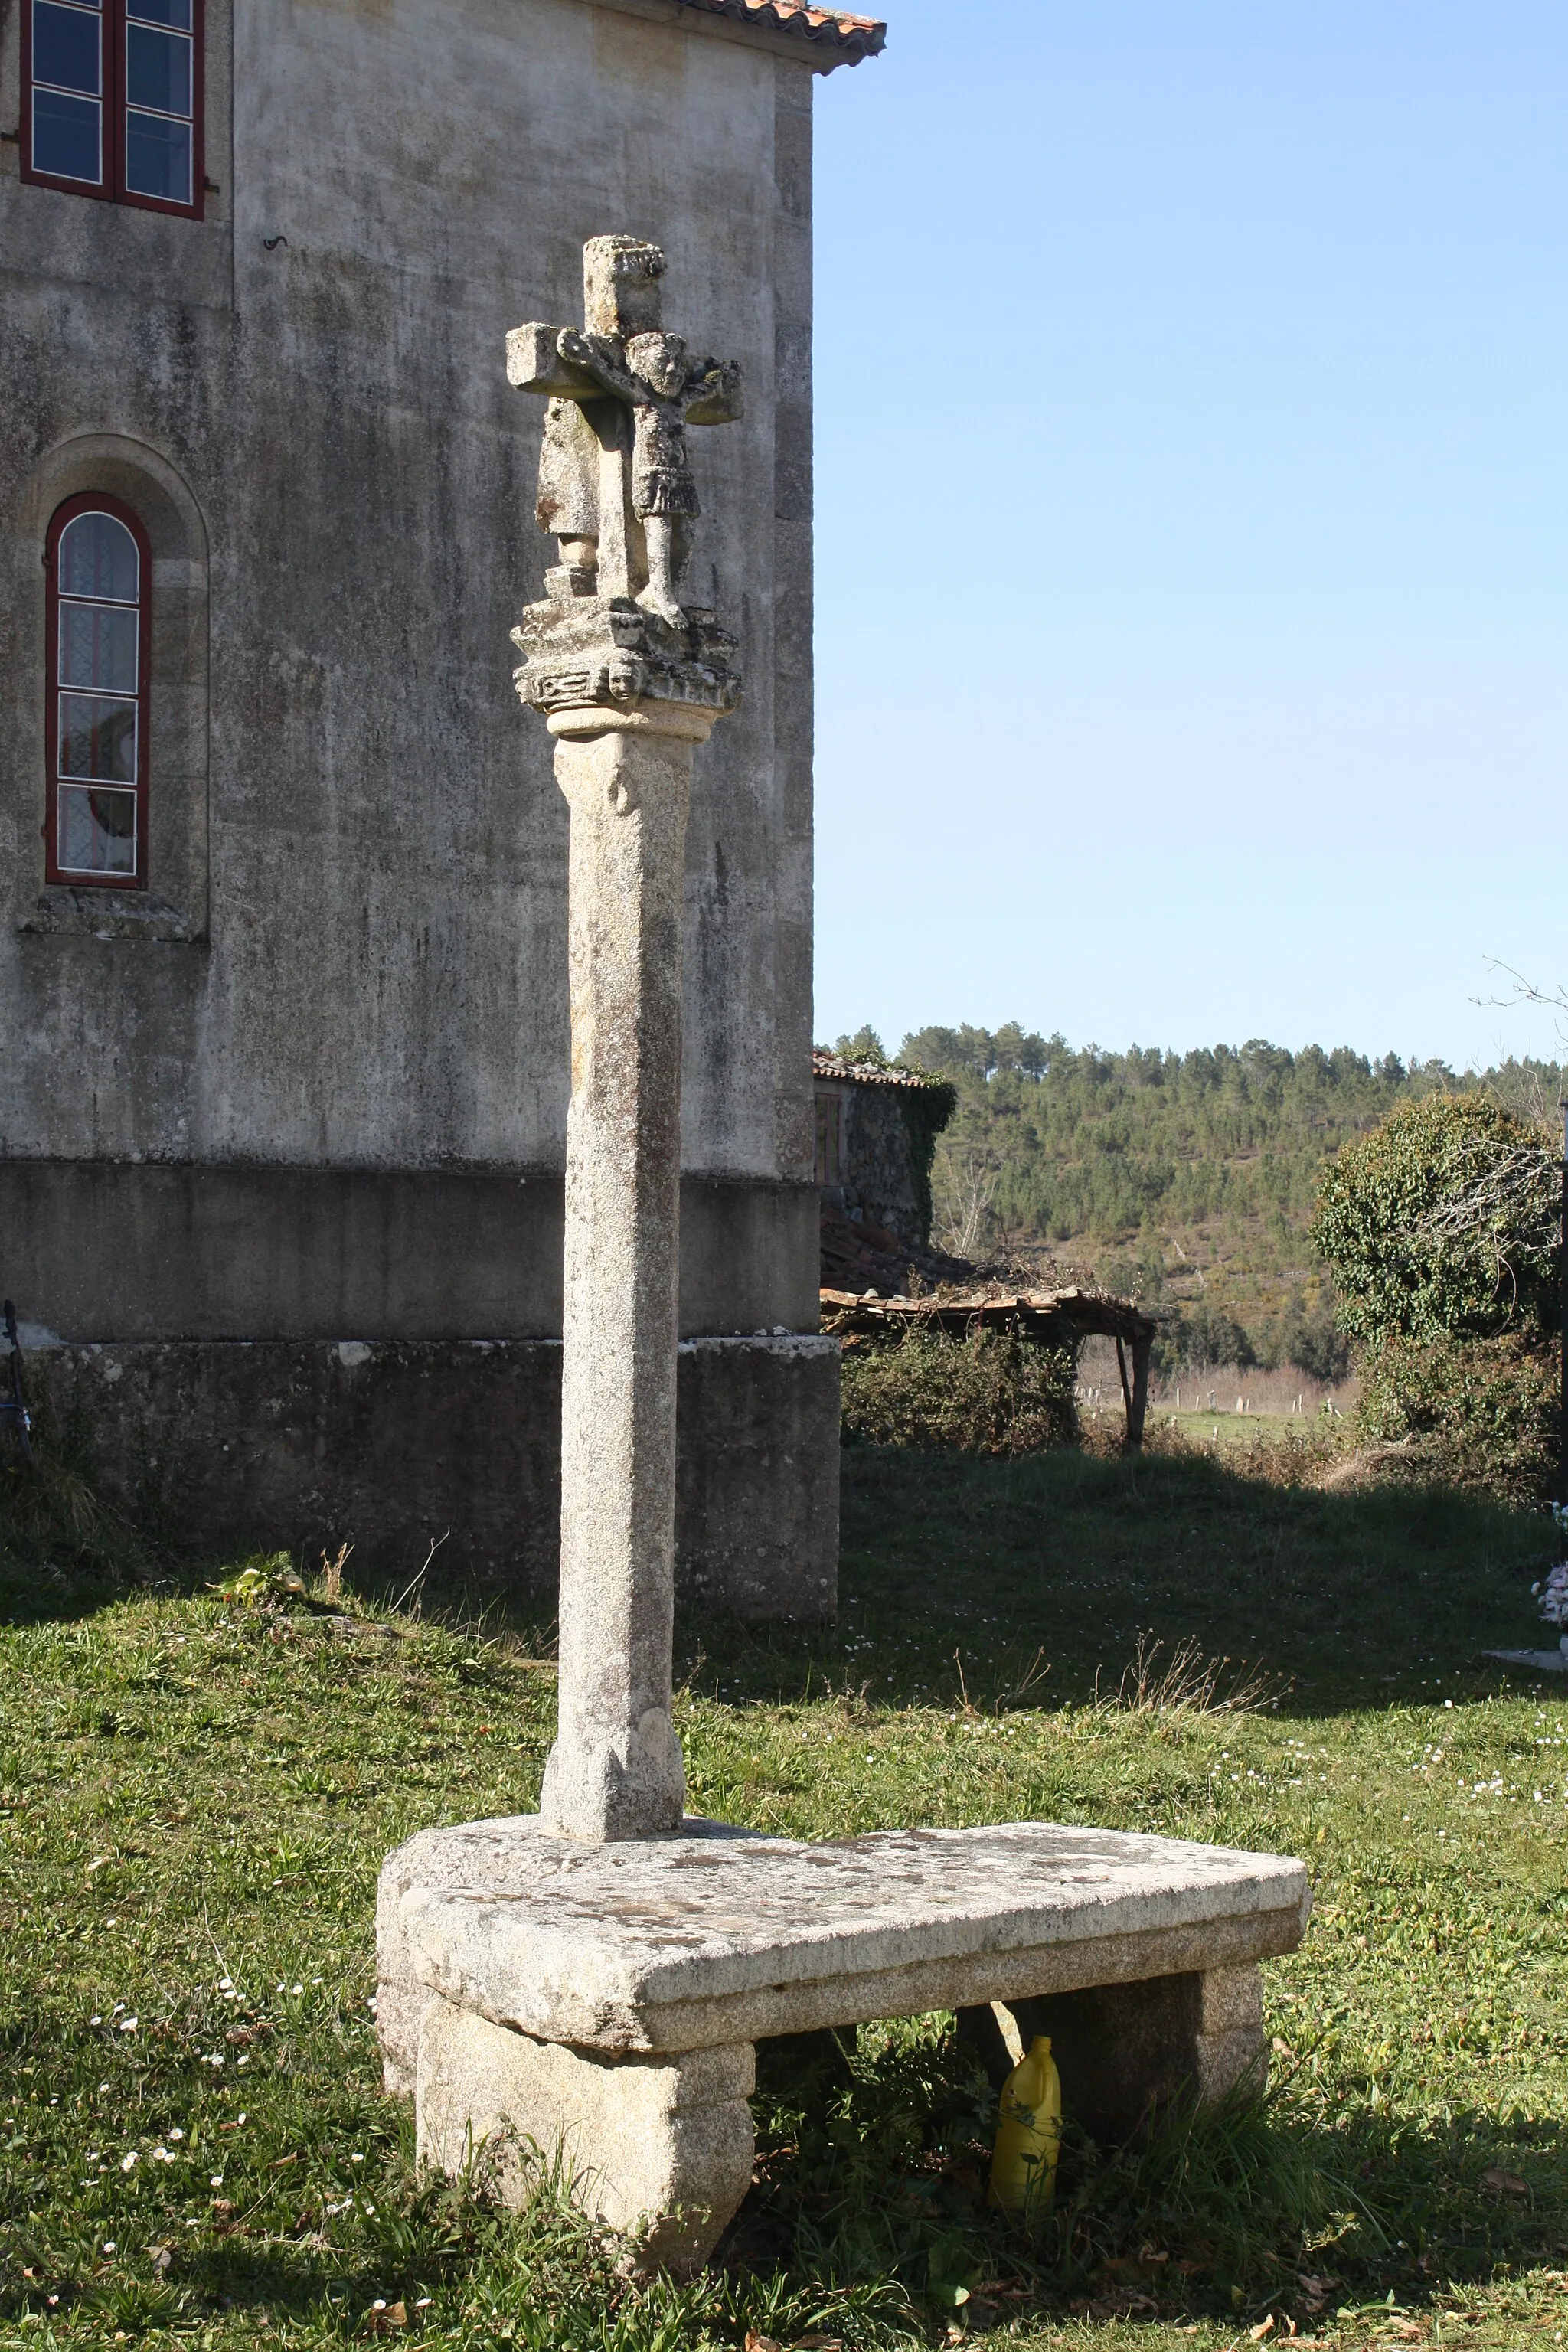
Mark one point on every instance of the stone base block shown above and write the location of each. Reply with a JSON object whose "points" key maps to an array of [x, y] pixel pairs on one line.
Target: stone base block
{"points": [[660, 2147]]}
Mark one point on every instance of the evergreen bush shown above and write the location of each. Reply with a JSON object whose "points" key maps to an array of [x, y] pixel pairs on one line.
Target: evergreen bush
{"points": [[1482, 1413], [991, 1393], [1443, 1228]]}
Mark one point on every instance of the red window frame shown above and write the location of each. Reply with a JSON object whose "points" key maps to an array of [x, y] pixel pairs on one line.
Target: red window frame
{"points": [[77, 877], [110, 187]]}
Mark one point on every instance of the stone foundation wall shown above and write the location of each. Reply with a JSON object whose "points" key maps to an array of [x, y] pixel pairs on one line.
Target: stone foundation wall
{"points": [[273, 1444]]}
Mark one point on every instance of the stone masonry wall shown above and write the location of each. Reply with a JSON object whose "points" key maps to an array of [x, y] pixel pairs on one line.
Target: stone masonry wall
{"points": [[878, 1162], [241, 1446]]}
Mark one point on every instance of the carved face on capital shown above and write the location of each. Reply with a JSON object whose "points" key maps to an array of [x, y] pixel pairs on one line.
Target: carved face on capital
{"points": [[660, 360]]}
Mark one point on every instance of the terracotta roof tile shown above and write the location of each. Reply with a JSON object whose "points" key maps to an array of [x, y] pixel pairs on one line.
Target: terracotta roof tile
{"points": [[866, 1074], [850, 39]]}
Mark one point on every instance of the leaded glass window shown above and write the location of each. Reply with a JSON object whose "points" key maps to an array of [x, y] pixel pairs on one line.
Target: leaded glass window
{"points": [[99, 590]]}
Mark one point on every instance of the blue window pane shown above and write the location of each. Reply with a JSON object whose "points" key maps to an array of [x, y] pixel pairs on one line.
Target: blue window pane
{"points": [[99, 647], [98, 558], [161, 12], [66, 48], [66, 139], [157, 69], [96, 832], [97, 738], [158, 158]]}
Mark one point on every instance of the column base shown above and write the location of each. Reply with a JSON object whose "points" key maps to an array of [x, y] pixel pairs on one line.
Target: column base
{"points": [[660, 2147]]}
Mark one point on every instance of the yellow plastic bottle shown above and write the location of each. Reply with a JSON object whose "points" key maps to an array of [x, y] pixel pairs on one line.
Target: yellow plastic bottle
{"points": [[1029, 2139]]}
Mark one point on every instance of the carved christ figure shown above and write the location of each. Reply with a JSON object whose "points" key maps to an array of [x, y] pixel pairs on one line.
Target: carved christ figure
{"points": [[621, 379], [659, 386]]}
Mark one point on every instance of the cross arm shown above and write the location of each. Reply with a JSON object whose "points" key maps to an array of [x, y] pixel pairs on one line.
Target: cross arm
{"points": [[599, 362], [534, 363], [713, 394]]}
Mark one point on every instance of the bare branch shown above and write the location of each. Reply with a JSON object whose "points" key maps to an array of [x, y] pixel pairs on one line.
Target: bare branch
{"points": [[1525, 991]]}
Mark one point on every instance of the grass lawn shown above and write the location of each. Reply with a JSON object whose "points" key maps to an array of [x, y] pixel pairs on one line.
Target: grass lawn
{"points": [[196, 1796], [1230, 1430]]}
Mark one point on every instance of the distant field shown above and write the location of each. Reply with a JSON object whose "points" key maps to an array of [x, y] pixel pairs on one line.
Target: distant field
{"points": [[1227, 1431], [1229, 1405]]}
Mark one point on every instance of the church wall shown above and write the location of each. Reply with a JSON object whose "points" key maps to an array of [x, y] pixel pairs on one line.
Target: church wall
{"points": [[319, 1073]]}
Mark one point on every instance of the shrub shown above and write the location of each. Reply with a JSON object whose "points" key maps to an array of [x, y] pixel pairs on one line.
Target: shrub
{"points": [[1482, 1414], [1444, 1220], [991, 1393], [1309, 1338], [1443, 1230], [1205, 1335]]}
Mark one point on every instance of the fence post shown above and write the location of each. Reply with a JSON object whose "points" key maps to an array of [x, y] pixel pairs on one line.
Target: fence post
{"points": [[1138, 1403]]}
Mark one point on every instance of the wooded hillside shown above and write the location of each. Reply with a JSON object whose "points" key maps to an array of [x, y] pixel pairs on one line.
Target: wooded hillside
{"points": [[1181, 1178]]}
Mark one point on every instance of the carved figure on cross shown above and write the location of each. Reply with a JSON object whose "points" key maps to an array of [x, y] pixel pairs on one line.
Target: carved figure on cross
{"points": [[615, 484]]}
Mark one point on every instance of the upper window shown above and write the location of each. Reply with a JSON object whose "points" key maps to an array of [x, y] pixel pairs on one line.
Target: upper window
{"points": [[112, 100], [99, 624]]}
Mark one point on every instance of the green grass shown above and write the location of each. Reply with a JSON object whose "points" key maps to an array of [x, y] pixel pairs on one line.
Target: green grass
{"points": [[197, 1797], [1230, 1430]]}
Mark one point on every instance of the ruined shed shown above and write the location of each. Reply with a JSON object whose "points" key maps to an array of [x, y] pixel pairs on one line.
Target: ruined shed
{"points": [[877, 1126], [1052, 1318]]}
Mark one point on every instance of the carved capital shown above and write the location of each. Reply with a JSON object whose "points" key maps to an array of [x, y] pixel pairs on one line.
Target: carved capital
{"points": [[605, 655]]}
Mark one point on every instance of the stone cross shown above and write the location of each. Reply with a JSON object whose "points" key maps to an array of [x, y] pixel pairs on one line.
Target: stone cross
{"points": [[630, 683], [615, 482]]}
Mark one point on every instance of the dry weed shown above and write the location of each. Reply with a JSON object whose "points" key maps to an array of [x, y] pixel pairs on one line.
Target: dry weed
{"points": [[1187, 1683]]}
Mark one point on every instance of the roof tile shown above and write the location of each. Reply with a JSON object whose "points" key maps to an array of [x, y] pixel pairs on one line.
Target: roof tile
{"points": [[869, 1074], [850, 37]]}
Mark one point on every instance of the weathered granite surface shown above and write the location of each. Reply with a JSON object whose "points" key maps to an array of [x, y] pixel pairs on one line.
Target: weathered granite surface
{"points": [[661, 2147], [714, 1937], [585, 1983]]}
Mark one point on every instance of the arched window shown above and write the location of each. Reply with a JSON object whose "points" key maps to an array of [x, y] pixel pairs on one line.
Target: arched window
{"points": [[100, 634]]}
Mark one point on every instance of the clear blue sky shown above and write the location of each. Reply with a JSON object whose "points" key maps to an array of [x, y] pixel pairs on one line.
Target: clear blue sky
{"points": [[1192, 433]]}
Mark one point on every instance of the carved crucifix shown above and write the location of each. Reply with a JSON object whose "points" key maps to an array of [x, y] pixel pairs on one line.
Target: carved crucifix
{"points": [[615, 484]]}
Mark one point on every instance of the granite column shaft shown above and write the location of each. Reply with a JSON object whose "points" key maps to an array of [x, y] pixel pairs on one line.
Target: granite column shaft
{"points": [[615, 1769]]}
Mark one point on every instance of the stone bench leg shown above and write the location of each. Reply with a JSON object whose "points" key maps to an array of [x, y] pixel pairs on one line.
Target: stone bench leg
{"points": [[661, 2145], [1123, 2045], [1123, 2048]]}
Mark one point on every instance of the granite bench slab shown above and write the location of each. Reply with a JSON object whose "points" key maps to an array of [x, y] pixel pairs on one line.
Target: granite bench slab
{"points": [[717, 1937]]}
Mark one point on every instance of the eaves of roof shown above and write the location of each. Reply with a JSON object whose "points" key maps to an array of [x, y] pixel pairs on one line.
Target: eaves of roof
{"points": [[869, 1074], [820, 38], [841, 39]]}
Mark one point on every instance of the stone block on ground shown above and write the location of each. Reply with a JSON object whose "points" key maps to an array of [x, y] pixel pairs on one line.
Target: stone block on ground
{"points": [[1121, 2049]]}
